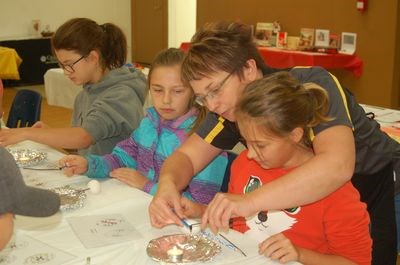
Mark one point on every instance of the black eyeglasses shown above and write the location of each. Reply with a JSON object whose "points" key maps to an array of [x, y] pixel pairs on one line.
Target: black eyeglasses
{"points": [[202, 100], [70, 67]]}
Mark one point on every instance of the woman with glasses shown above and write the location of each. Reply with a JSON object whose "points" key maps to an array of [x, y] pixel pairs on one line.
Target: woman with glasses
{"points": [[221, 61], [110, 106]]}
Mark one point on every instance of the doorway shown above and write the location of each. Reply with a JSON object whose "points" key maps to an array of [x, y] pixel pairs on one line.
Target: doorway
{"points": [[149, 20]]}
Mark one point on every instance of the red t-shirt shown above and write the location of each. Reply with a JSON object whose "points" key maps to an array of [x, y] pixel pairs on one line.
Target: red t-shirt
{"points": [[337, 224]]}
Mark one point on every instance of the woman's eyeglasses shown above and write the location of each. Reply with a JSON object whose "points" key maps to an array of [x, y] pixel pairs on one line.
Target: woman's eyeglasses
{"points": [[202, 100]]}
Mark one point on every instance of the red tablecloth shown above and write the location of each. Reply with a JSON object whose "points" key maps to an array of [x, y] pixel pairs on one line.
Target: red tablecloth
{"points": [[279, 58]]}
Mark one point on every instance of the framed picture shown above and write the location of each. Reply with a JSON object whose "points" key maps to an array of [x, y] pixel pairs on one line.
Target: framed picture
{"points": [[321, 38], [264, 33], [306, 41], [292, 42], [334, 41], [348, 43], [281, 39]]}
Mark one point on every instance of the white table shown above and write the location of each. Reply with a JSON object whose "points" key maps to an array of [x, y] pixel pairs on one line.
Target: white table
{"points": [[389, 119], [59, 89], [384, 116], [115, 198]]}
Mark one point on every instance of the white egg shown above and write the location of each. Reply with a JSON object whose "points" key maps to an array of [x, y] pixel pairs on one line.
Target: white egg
{"points": [[94, 186]]}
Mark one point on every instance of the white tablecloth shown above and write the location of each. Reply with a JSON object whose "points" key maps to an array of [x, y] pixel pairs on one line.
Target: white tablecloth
{"points": [[59, 89], [115, 198]]}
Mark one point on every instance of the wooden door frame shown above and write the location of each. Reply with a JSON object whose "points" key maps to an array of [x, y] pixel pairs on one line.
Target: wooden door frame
{"points": [[134, 25]]}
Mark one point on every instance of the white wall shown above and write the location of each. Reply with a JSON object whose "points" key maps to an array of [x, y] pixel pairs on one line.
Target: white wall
{"points": [[181, 21], [17, 15]]}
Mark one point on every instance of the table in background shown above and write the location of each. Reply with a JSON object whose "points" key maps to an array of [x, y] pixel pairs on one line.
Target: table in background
{"points": [[389, 119], [36, 56], [115, 198], [279, 58], [9, 63], [59, 89]]}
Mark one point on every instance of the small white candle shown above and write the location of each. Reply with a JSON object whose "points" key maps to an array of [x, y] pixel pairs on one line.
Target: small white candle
{"points": [[175, 254], [24, 158]]}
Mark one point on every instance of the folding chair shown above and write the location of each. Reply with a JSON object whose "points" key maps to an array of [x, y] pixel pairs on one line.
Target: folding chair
{"points": [[25, 109]]}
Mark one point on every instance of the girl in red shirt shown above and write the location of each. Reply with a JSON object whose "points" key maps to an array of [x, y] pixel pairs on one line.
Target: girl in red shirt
{"points": [[275, 117]]}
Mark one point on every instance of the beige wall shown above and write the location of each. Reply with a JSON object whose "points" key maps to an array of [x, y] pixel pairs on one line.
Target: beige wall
{"points": [[17, 15], [377, 35]]}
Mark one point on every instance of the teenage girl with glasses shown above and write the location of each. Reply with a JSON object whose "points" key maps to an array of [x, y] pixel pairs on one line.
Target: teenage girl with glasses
{"points": [[110, 106]]}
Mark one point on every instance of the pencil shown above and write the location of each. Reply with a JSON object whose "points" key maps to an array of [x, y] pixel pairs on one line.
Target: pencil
{"points": [[230, 242]]}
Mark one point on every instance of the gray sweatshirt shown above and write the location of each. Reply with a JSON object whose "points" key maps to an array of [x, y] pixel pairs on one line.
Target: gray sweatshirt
{"points": [[110, 109]]}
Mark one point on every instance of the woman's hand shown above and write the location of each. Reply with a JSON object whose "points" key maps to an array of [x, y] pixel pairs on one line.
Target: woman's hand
{"points": [[165, 207]]}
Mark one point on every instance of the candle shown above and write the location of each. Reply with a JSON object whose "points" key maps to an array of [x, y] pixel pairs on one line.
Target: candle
{"points": [[24, 158], [175, 254]]}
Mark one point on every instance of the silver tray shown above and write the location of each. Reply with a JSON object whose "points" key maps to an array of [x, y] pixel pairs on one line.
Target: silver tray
{"points": [[70, 198], [27, 157], [195, 247]]}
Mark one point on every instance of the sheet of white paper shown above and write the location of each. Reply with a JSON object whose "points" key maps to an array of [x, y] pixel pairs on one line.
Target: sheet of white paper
{"points": [[232, 245], [23, 249], [102, 230], [249, 246]]}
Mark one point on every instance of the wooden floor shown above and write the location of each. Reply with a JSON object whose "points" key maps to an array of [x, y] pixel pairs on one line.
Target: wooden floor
{"points": [[51, 115]]}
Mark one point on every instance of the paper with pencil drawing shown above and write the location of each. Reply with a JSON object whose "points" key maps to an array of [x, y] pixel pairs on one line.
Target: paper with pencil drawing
{"points": [[23, 249], [101, 230]]}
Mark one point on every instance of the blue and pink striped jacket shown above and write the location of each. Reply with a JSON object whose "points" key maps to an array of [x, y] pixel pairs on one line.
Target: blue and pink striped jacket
{"points": [[148, 147]]}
